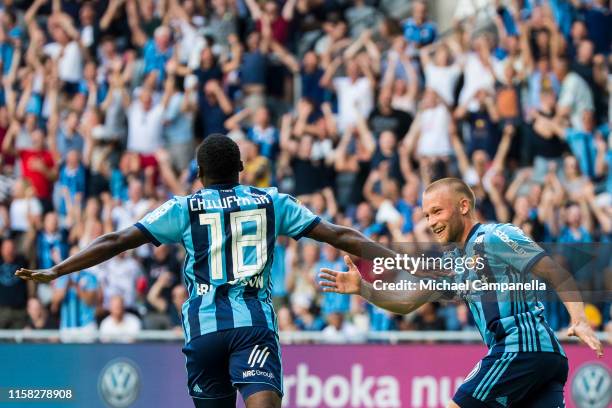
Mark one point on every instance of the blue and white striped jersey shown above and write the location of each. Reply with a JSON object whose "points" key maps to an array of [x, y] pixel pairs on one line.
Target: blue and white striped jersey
{"points": [[229, 232], [508, 320]]}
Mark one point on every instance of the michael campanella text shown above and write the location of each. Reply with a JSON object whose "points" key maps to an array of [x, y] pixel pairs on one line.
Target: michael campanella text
{"points": [[467, 285]]}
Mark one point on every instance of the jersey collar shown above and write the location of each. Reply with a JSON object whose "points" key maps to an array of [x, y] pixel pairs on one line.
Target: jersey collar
{"points": [[472, 232], [222, 186]]}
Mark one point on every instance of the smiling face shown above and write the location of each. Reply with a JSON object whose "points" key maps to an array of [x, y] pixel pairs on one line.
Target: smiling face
{"points": [[445, 211]]}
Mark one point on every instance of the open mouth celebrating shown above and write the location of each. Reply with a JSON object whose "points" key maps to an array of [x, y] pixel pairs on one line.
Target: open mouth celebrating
{"points": [[439, 230]]}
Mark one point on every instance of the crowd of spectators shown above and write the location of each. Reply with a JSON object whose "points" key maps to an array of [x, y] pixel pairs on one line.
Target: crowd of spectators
{"points": [[352, 106]]}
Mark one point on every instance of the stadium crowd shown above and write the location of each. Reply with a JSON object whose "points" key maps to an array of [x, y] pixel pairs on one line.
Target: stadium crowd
{"points": [[352, 106]]}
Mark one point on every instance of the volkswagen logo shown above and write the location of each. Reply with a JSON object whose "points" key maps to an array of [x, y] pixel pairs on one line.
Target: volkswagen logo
{"points": [[592, 386], [119, 383]]}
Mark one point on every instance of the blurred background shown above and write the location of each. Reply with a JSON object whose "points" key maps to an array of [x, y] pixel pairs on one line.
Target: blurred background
{"points": [[352, 106]]}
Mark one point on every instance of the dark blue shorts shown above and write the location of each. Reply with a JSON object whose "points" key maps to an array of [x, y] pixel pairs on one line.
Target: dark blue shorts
{"points": [[245, 358], [525, 380]]}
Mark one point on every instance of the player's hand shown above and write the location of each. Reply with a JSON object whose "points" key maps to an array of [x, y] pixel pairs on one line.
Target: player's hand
{"points": [[585, 333], [37, 275], [341, 282]]}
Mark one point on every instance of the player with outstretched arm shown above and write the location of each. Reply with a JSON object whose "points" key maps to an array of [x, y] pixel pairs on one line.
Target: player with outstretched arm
{"points": [[228, 231], [526, 365]]}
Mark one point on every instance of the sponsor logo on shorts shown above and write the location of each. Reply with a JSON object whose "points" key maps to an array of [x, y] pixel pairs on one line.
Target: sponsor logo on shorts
{"points": [[502, 400], [592, 386], [258, 356], [257, 373]]}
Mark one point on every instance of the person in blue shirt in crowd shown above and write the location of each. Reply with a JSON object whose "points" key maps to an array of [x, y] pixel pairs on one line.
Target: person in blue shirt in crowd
{"points": [[380, 319], [76, 297], [581, 142], [254, 63], [603, 160], [14, 292], [68, 137], [598, 18], [71, 186], [6, 53], [574, 232], [157, 52], [89, 84], [333, 302], [128, 163], [264, 134], [310, 77], [364, 220], [215, 107], [406, 205], [180, 106], [260, 131], [51, 242], [417, 29]]}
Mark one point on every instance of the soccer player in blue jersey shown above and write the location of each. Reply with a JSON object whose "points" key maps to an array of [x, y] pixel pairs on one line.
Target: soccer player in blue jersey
{"points": [[228, 231], [526, 365]]}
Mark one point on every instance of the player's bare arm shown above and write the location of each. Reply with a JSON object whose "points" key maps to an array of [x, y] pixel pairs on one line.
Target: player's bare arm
{"points": [[395, 301], [100, 250], [354, 242], [565, 286], [348, 240]]}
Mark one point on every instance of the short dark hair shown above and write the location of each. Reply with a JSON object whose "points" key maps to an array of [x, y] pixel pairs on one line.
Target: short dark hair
{"points": [[458, 186], [218, 157]]}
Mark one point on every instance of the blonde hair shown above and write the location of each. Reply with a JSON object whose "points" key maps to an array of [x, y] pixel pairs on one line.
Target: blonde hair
{"points": [[458, 186]]}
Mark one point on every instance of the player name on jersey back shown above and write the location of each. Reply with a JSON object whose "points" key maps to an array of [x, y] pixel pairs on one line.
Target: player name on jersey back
{"points": [[202, 204]]}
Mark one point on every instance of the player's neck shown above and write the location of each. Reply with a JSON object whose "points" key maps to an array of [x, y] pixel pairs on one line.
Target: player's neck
{"points": [[209, 183], [467, 230]]}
